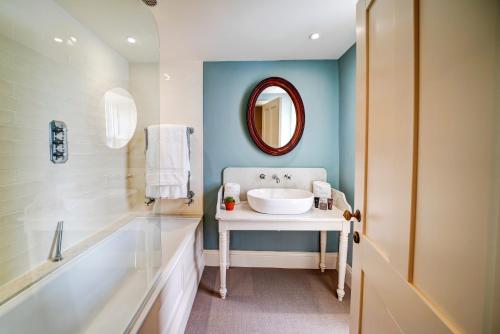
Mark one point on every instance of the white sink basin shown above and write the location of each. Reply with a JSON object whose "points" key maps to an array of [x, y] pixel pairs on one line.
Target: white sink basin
{"points": [[280, 201]]}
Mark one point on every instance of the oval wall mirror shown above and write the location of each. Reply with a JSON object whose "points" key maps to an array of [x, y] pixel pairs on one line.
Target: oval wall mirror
{"points": [[275, 116], [121, 117]]}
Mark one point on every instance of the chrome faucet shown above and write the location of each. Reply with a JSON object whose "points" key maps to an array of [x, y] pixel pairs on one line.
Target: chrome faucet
{"points": [[276, 178], [59, 234]]}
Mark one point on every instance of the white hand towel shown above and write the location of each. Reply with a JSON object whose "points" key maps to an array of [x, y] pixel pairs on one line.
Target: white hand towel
{"points": [[232, 190], [167, 161], [322, 189]]}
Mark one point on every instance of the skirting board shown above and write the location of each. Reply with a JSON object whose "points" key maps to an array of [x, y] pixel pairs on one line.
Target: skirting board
{"points": [[264, 259]]}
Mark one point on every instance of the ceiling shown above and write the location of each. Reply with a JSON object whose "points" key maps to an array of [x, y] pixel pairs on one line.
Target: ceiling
{"points": [[220, 29], [113, 21], [255, 29]]}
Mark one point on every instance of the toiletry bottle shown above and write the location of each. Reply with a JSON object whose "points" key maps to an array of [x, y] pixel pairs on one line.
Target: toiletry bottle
{"points": [[323, 204]]}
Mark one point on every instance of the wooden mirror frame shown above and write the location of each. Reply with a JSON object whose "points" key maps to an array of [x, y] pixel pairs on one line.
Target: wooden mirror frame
{"points": [[299, 111]]}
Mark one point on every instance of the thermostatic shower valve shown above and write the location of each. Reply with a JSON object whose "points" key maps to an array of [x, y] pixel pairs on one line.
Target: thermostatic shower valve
{"points": [[58, 142]]}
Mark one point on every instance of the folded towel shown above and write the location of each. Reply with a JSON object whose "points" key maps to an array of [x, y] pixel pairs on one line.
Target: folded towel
{"points": [[167, 161], [232, 190], [322, 189]]}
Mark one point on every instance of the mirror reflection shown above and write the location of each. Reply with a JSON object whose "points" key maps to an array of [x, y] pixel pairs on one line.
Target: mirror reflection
{"points": [[121, 117], [275, 117]]}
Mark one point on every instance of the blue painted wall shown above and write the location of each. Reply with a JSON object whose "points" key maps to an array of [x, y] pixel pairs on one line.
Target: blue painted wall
{"points": [[226, 89], [347, 96]]}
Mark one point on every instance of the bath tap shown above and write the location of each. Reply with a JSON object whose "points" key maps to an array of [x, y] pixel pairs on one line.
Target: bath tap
{"points": [[276, 178], [59, 234]]}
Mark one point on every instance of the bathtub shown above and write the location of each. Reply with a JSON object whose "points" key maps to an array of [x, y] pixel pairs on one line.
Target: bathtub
{"points": [[111, 287]]}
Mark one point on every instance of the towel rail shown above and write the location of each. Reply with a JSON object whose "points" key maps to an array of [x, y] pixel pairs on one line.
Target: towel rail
{"points": [[189, 131], [190, 194]]}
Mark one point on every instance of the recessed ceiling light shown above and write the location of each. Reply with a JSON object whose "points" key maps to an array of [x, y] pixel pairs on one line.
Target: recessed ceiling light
{"points": [[131, 40], [166, 76], [314, 36], [58, 40], [73, 39]]}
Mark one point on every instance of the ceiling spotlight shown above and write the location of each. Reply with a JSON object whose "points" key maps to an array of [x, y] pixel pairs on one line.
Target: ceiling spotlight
{"points": [[73, 39], [166, 76], [150, 3], [131, 40], [58, 40], [314, 36]]}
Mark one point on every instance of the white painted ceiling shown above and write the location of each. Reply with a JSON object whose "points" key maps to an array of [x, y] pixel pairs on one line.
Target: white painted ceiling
{"points": [[221, 29], [113, 21], [255, 29]]}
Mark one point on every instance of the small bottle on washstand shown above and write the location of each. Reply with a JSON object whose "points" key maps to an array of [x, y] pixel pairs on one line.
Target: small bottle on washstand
{"points": [[330, 204], [323, 204]]}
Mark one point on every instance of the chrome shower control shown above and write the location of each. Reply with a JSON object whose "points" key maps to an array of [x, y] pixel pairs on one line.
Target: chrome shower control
{"points": [[58, 142]]}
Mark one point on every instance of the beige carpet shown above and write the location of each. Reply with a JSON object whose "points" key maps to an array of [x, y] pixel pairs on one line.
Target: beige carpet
{"points": [[265, 300]]}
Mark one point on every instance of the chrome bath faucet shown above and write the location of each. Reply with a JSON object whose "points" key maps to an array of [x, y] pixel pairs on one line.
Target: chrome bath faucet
{"points": [[59, 234]]}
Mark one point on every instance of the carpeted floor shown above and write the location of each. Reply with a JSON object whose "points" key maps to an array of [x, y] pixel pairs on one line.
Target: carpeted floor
{"points": [[274, 301]]}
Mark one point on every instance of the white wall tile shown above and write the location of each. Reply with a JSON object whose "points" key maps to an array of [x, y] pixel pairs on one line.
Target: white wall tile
{"points": [[41, 81]]}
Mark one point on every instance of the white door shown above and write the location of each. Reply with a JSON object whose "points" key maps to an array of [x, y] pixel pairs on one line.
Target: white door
{"points": [[425, 151], [271, 123]]}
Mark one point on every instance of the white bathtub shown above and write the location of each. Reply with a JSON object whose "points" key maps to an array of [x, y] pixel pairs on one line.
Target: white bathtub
{"points": [[107, 288]]}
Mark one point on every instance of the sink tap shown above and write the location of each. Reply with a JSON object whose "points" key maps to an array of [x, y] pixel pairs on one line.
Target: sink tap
{"points": [[288, 176], [276, 178], [59, 233]]}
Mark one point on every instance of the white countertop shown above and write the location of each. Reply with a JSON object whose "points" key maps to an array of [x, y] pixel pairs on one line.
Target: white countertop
{"points": [[243, 212]]}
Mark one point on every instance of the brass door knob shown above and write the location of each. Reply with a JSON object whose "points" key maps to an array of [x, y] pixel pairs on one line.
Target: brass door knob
{"points": [[355, 237], [349, 215]]}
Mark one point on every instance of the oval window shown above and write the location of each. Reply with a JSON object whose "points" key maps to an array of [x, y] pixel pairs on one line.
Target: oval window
{"points": [[121, 117]]}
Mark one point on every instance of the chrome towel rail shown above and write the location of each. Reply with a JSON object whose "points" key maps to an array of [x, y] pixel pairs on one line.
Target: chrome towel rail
{"points": [[189, 131], [190, 194]]}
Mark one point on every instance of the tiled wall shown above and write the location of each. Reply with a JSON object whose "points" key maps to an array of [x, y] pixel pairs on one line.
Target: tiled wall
{"points": [[175, 101], [145, 88], [41, 80], [181, 102]]}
